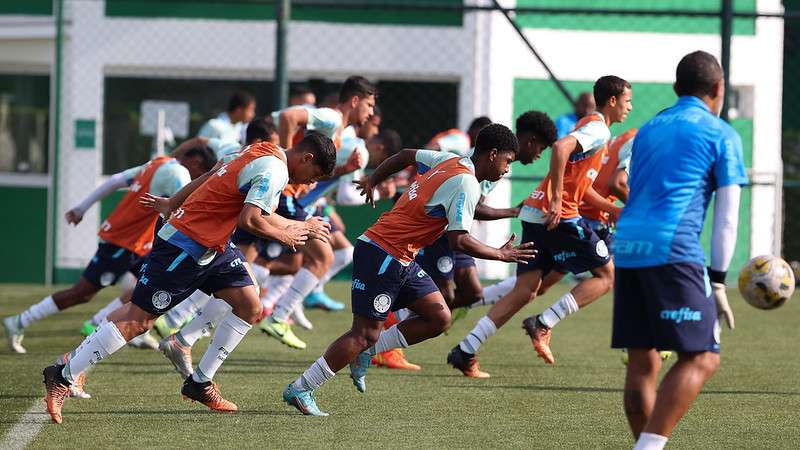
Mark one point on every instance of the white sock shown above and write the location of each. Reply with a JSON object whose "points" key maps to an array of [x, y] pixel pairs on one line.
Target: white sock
{"points": [[230, 332], [482, 331], [403, 314], [102, 343], [492, 294], [302, 285], [559, 310], [650, 441], [389, 339], [278, 285], [101, 315], [46, 307], [315, 376], [187, 309], [261, 273], [341, 258], [206, 319]]}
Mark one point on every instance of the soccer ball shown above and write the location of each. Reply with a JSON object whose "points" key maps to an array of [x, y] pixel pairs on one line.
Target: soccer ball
{"points": [[766, 282]]}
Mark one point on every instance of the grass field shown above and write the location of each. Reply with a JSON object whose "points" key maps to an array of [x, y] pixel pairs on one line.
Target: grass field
{"points": [[752, 402]]}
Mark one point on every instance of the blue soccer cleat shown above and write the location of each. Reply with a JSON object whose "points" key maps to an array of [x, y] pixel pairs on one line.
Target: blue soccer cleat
{"points": [[320, 300], [302, 400], [358, 370]]}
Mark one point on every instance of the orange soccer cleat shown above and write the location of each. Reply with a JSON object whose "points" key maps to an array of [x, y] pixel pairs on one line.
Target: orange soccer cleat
{"points": [[540, 338], [466, 363], [57, 390], [394, 359], [208, 394]]}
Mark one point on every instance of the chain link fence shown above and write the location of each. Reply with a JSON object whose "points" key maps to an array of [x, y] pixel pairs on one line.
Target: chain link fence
{"points": [[437, 64]]}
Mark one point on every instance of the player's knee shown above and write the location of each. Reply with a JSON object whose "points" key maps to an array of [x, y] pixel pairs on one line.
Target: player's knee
{"points": [[441, 320], [368, 337], [708, 362], [606, 275]]}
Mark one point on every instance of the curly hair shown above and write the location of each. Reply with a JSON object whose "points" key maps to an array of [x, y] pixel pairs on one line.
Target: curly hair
{"points": [[539, 124], [496, 136]]}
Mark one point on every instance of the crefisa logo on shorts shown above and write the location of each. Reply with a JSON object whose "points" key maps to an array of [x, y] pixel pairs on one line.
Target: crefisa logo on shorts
{"points": [[161, 299], [681, 315], [382, 303], [445, 264]]}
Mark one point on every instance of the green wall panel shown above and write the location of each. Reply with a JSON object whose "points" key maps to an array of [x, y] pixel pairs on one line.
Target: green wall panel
{"points": [[263, 10], [648, 99], [27, 7], [616, 22], [27, 223]]}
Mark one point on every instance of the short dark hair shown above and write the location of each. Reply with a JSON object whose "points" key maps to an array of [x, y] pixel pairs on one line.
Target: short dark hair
{"points": [[478, 123], [607, 87], [539, 124], [376, 111], [240, 99], [696, 74], [259, 129], [392, 143], [322, 148], [203, 152], [356, 86], [496, 136], [300, 89]]}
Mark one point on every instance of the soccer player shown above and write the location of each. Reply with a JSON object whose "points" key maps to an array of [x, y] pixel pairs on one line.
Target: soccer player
{"points": [[551, 222], [356, 104], [193, 251], [230, 125], [385, 276], [663, 291], [125, 235]]}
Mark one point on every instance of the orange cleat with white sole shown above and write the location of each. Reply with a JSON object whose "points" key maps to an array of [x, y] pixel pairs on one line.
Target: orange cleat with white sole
{"points": [[467, 363], [394, 359], [540, 338], [57, 390], [208, 394]]}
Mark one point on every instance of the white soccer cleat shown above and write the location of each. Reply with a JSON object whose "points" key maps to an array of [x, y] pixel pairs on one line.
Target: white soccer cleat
{"points": [[179, 355], [14, 334], [76, 388], [144, 341], [299, 317]]}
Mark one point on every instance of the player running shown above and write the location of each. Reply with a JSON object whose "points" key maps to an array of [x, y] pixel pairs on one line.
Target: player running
{"points": [[385, 276], [550, 220], [193, 251], [663, 291], [356, 104], [125, 236]]}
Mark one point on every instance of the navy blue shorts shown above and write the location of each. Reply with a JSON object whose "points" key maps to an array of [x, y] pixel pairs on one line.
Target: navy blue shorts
{"points": [[242, 237], [602, 231], [570, 247], [288, 208], [108, 264], [667, 307], [463, 260], [267, 248], [169, 275], [437, 259], [270, 250], [381, 284]]}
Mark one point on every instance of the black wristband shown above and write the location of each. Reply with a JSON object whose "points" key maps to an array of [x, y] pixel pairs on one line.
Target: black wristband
{"points": [[716, 276]]}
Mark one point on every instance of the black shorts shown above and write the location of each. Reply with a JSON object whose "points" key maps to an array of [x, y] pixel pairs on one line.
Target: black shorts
{"points": [[668, 307], [381, 284], [170, 275], [108, 264], [570, 247], [437, 259]]}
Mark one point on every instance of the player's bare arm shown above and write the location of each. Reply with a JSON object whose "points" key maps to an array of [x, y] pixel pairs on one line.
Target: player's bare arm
{"points": [[388, 167], [562, 149], [289, 121], [252, 220], [317, 227], [185, 146], [591, 197], [618, 184], [462, 241], [486, 212]]}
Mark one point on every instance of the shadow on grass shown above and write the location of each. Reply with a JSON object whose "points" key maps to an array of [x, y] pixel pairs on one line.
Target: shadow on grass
{"points": [[617, 390]]}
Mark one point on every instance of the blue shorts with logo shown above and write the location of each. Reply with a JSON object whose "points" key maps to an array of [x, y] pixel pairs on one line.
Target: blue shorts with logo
{"points": [[571, 247], [462, 260], [267, 248], [437, 259], [108, 264], [668, 307], [170, 275], [381, 284], [603, 231]]}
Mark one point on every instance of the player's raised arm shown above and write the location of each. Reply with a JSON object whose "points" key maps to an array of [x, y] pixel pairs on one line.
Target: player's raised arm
{"points": [[114, 182], [289, 121], [185, 146], [388, 167]]}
